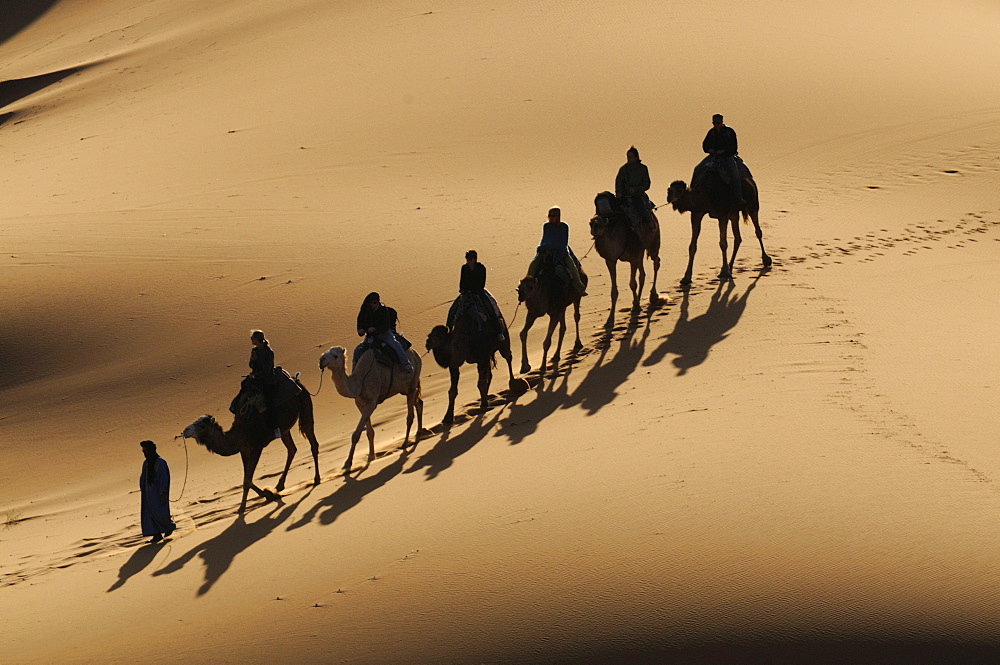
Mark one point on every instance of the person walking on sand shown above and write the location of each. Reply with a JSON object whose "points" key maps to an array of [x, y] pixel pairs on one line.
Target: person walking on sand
{"points": [[154, 490]]}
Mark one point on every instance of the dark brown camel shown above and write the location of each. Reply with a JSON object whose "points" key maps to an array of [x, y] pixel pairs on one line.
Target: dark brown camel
{"points": [[466, 344], [699, 203], [250, 433], [616, 240], [547, 295]]}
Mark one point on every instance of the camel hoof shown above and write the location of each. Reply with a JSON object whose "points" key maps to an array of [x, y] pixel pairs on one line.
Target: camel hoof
{"points": [[767, 261], [525, 368], [686, 281], [519, 386]]}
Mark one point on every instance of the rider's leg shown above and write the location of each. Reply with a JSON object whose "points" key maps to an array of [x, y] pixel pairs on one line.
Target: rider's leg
{"points": [[390, 340], [574, 274]]}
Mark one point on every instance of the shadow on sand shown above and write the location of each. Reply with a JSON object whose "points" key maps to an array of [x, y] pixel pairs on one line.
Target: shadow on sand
{"points": [[140, 559], [449, 448], [351, 493], [19, 14], [219, 552], [598, 388], [692, 339]]}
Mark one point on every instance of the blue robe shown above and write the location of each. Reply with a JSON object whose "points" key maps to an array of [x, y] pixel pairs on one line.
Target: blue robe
{"points": [[155, 513]]}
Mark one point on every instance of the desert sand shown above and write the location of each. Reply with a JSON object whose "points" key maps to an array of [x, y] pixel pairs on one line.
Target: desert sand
{"points": [[798, 465]]}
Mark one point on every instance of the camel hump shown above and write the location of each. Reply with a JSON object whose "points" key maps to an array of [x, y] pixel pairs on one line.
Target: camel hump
{"points": [[286, 388]]}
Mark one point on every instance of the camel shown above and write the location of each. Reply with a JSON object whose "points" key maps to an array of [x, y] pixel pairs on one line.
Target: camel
{"points": [[616, 240], [250, 433], [699, 203], [546, 294], [368, 385], [465, 344]]}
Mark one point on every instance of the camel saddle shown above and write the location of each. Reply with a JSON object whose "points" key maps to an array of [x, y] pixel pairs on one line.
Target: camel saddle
{"points": [[383, 354], [285, 389]]}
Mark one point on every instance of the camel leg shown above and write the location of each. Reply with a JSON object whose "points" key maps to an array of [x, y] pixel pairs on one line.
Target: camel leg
{"points": [[724, 273], [485, 379], [529, 321], [366, 409], [547, 343], [737, 240], [418, 405], [409, 418], [307, 425], [577, 345], [634, 268], [613, 270], [654, 297], [449, 416], [693, 247], [755, 218], [286, 438], [250, 459]]}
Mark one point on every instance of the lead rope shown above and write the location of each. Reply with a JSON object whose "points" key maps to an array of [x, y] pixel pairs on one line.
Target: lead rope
{"points": [[184, 486]]}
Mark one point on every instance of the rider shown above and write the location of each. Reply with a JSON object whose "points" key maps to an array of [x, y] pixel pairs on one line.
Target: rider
{"points": [[379, 321], [631, 186], [555, 239], [720, 143], [472, 283], [262, 366]]}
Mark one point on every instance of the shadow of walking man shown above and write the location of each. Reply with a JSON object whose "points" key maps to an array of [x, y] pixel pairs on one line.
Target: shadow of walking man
{"points": [[141, 557], [692, 339]]}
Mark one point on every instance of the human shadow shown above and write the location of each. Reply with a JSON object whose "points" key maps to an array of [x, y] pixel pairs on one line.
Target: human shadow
{"points": [[599, 387], [19, 14], [140, 559], [351, 493], [449, 448], [219, 552], [523, 419], [692, 339]]}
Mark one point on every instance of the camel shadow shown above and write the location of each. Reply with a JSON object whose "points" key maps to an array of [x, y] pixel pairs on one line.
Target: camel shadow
{"points": [[140, 559], [449, 448], [219, 552], [598, 388], [523, 419], [351, 493], [692, 339]]}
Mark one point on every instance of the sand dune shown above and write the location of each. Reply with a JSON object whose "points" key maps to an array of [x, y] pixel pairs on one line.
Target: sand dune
{"points": [[795, 466]]}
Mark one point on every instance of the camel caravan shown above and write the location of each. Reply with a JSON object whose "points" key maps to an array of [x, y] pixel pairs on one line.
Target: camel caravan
{"points": [[624, 228]]}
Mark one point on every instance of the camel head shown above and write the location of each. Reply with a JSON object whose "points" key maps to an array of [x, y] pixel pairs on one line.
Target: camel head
{"points": [[334, 358], [438, 337], [598, 225], [676, 194], [199, 428], [526, 288]]}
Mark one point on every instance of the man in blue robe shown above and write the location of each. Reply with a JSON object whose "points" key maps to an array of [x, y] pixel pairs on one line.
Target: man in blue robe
{"points": [[154, 488]]}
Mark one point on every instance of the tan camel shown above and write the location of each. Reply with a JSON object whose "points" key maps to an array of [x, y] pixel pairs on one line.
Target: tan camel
{"points": [[546, 294], [466, 344], [616, 240], [368, 385], [250, 433], [699, 203]]}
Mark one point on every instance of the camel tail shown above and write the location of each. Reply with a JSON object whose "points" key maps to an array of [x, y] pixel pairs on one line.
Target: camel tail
{"points": [[307, 422]]}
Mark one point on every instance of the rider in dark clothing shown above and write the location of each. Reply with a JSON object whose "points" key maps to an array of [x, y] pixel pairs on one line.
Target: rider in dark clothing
{"points": [[379, 321], [262, 366], [720, 143], [631, 185], [472, 285]]}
